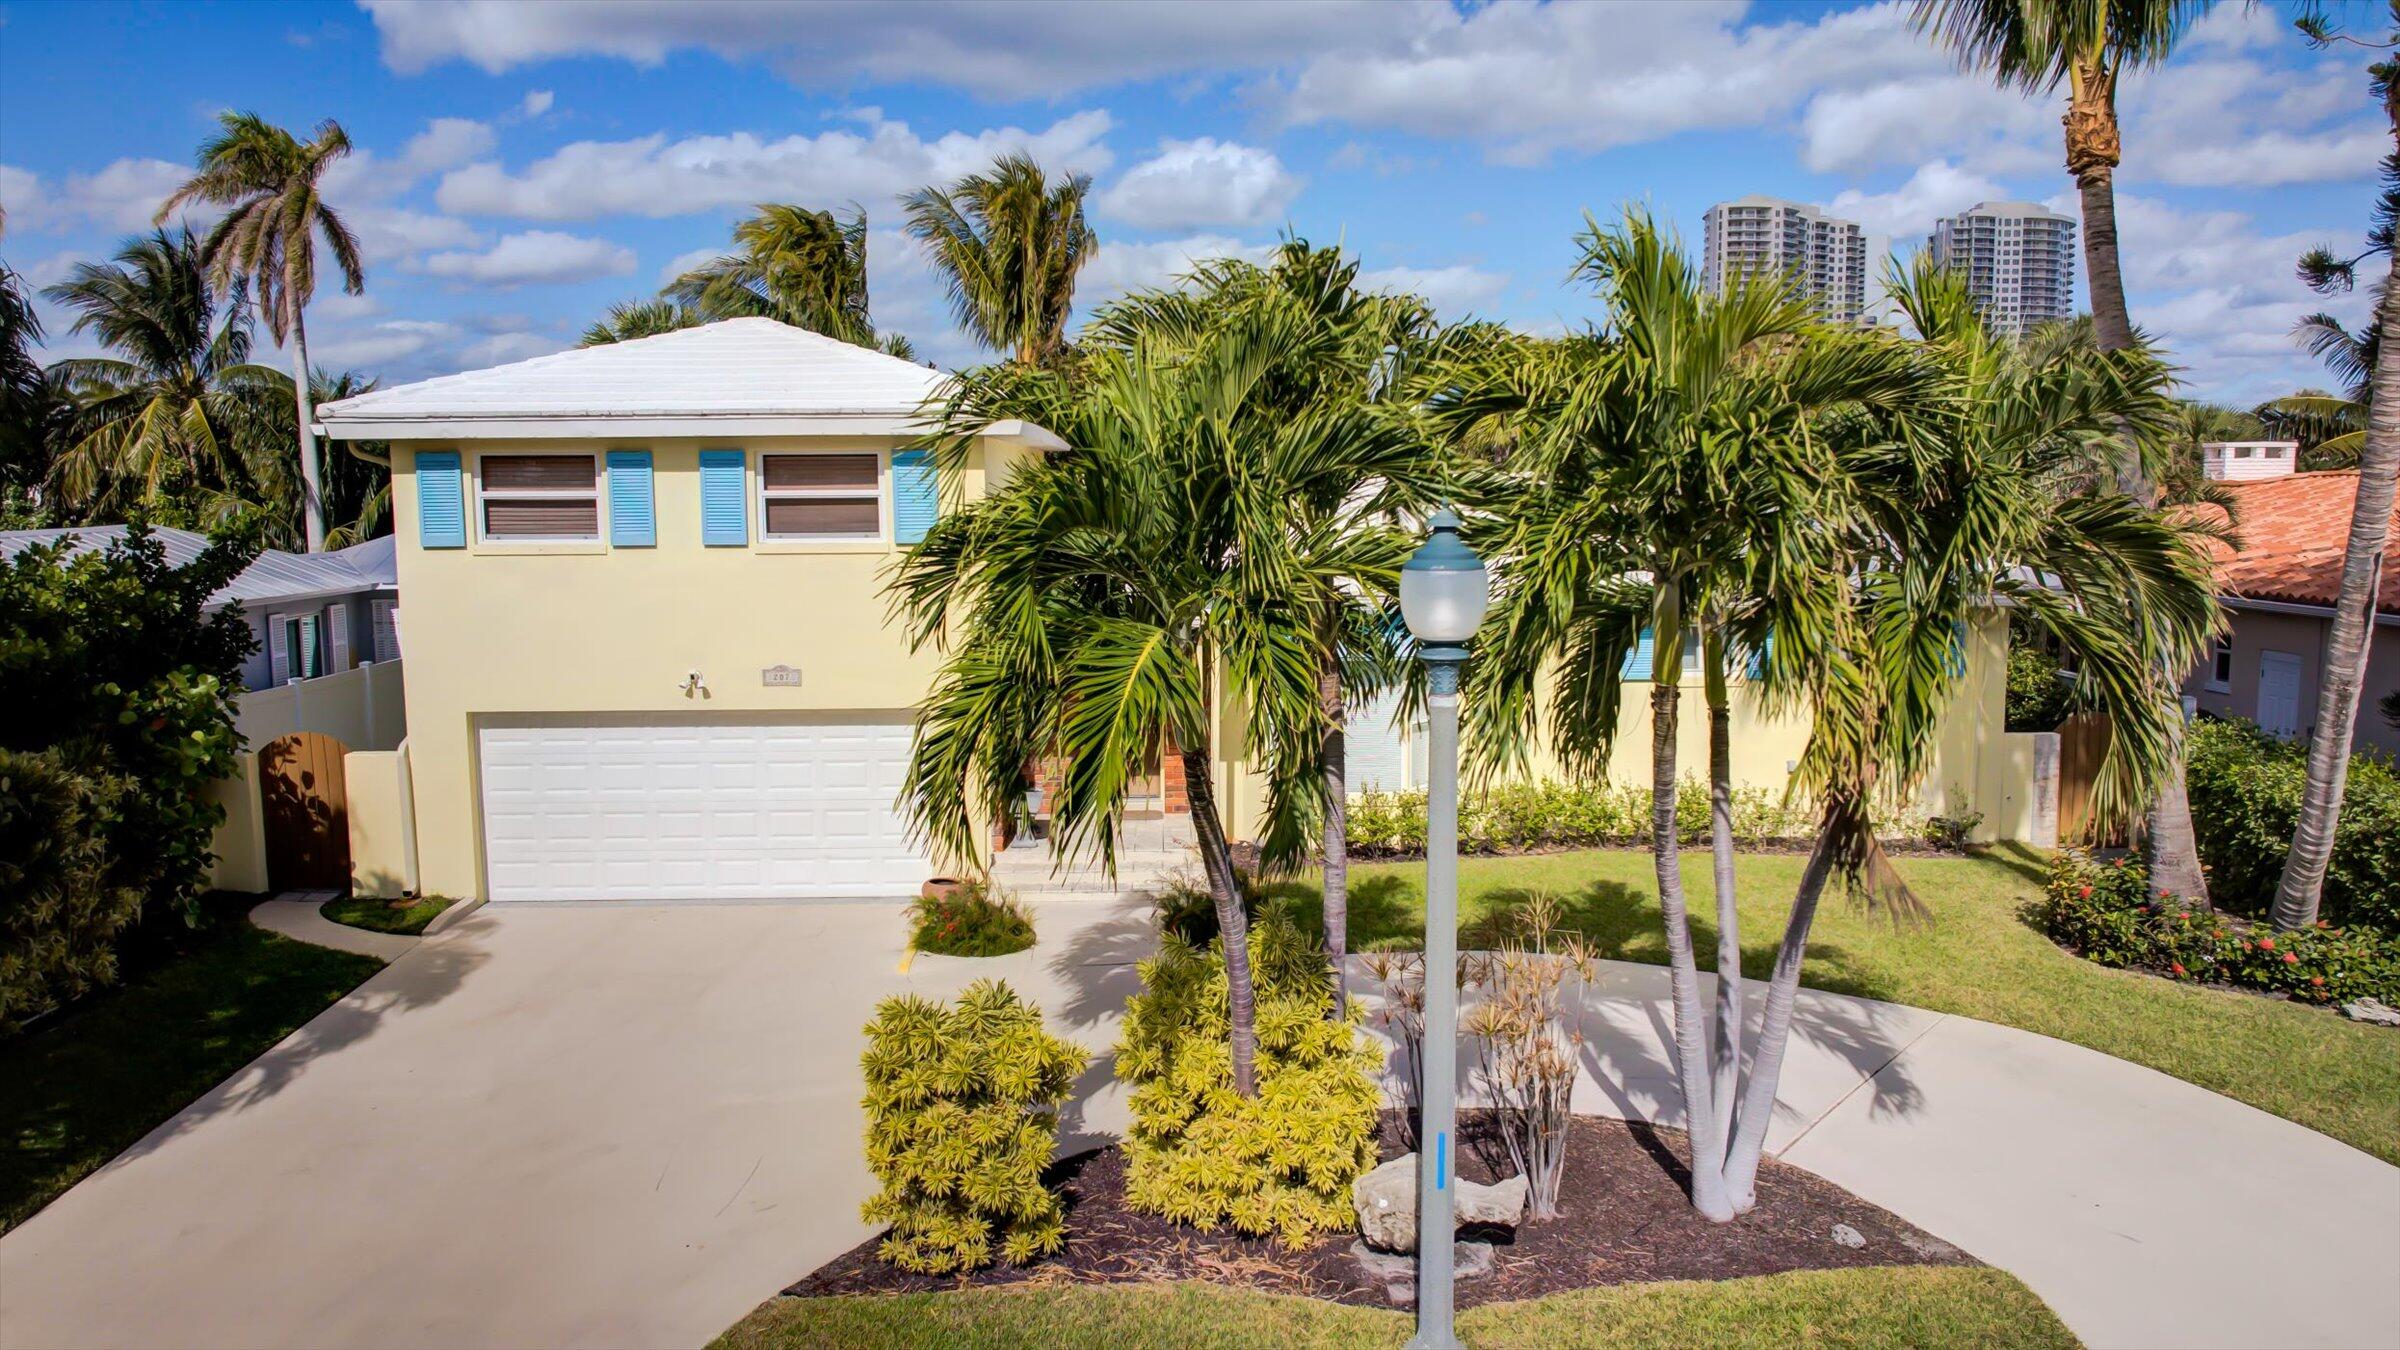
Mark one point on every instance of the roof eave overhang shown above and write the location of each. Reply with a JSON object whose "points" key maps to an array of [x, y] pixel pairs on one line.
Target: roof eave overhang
{"points": [[2383, 617], [604, 426]]}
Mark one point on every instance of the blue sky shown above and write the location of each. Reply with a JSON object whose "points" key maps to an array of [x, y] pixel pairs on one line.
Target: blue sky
{"points": [[522, 166]]}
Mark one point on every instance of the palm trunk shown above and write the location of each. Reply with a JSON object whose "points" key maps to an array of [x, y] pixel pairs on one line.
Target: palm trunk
{"points": [[2303, 885], [1775, 1028], [1728, 1051], [1333, 763], [312, 504], [1233, 924], [1683, 973], [2094, 148]]}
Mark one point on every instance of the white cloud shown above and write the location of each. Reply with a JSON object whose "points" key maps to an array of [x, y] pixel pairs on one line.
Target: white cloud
{"points": [[1124, 265], [1202, 182], [685, 262], [1454, 291], [502, 348], [1903, 121], [1005, 52], [122, 196], [378, 345], [652, 176], [445, 143], [535, 257], [1908, 211], [537, 102], [1530, 79], [392, 234]]}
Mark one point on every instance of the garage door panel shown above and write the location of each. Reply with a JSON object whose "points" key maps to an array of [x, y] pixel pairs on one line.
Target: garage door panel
{"points": [[717, 811]]}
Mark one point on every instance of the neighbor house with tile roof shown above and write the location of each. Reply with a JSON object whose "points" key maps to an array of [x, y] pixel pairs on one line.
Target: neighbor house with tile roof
{"points": [[2278, 582]]}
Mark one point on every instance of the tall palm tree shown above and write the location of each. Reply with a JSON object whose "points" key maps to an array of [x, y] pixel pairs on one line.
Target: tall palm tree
{"points": [[806, 268], [2302, 887], [631, 319], [1358, 350], [176, 420], [268, 241], [1090, 607], [33, 408], [1009, 243], [358, 484], [2087, 45], [1663, 467], [2331, 428]]}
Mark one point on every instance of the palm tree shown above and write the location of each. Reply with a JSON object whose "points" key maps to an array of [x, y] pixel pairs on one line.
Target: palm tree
{"points": [[1662, 467], [806, 268], [1009, 242], [358, 484], [33, 408], [1360, 351], [2302, 886], [2331, 428], [1090, 607], [1978, 495], [177, 420], [2087, 45], [632, 319], [269, 241]]}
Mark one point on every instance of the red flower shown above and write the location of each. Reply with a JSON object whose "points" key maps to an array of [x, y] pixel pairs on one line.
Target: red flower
{"points": [[2177, 967], [2266, 944], [2291, 958], [2317, 980], [2246, 945], [2084, 894]]}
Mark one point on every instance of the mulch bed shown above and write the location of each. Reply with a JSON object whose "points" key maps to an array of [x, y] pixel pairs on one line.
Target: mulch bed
{"points": [[1623, 1218]]}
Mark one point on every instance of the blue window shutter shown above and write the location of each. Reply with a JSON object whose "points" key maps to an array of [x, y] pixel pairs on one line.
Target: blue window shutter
{"points": [[1758, 659], [632, 510], [1956, 665], [1637, 661], [724, 506], [916, 499], [441, 500]]}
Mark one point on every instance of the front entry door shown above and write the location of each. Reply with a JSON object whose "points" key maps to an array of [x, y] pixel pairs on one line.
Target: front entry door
{"points": [[2279, 694]]}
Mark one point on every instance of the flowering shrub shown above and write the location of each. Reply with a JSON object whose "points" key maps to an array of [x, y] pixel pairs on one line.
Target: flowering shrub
{"points": [[2105, 912], [973, 920], [1513, 817]]}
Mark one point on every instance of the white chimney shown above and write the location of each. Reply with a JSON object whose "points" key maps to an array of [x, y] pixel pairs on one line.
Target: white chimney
{"points": [[2244, 461]]}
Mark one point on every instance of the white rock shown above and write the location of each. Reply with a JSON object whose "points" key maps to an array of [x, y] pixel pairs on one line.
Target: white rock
{"points": [[2373, 1011], [1848, 1236], [1386, 1202]]}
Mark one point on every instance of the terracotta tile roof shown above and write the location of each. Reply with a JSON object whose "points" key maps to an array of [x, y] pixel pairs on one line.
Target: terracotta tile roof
{"points": [[2293, 530]]}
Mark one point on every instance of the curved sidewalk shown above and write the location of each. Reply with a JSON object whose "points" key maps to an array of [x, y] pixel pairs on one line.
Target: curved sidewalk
{"points": [[299, 919], [2145, 1210]]}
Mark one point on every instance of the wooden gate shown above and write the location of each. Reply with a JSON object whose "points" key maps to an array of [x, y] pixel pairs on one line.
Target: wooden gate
{"points": [[2082, 740], [306, 808]]}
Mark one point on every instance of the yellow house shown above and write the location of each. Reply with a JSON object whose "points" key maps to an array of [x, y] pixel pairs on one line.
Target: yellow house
{"points": [[649, 656]]}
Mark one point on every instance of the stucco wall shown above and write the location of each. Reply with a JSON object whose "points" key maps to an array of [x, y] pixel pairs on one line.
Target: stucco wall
{"points": [[377, 781], [504, 631], [2304, 636], [240, 843]]}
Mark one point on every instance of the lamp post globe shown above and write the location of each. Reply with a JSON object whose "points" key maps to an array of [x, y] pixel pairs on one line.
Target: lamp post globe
{"points": [[1444, 590]]}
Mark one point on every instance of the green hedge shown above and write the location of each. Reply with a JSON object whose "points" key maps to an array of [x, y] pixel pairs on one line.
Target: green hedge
{"points": [[1514, 817], [2105, 912], [62, 903], [2245, 789]]}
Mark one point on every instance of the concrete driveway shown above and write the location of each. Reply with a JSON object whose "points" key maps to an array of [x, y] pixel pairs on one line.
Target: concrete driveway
{"points": [[626, 1125]]}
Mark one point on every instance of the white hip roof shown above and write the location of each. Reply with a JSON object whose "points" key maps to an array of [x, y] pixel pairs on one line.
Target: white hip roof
{"points": [[752, 375]]}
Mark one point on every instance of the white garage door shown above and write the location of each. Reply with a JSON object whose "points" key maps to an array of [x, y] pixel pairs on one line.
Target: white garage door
{"points": [[712, 811]]}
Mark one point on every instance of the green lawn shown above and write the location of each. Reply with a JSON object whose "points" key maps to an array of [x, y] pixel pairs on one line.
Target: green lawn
{"points": [[77, 1092], [382, 917], [1878, 1306], [1975, 958]]}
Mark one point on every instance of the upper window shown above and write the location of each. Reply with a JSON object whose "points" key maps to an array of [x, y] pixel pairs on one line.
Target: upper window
{"points": [[540, 496], [821, 496], [2220, 668]]}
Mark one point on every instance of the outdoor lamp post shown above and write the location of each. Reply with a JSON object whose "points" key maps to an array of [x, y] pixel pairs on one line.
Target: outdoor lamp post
{"points": [[1444, 589]]}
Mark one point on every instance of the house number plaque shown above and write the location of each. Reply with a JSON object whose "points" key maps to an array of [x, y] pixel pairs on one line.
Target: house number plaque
{"points": [[785, 676]]}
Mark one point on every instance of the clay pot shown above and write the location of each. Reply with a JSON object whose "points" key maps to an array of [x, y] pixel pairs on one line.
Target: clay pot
{"points": [[940, 888]]}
